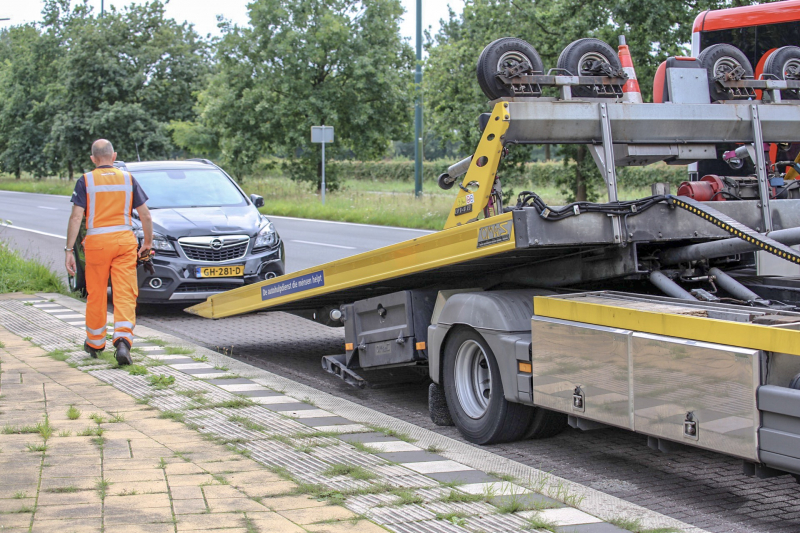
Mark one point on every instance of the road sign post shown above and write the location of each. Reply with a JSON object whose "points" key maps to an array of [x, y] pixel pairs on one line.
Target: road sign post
{"points": [[322, 135]]}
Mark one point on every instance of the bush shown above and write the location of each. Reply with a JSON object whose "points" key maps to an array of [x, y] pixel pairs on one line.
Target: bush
{"points": [[18, 274]]}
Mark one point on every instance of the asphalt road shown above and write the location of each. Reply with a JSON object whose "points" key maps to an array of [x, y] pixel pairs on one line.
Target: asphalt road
{"points": [[699, 487]]}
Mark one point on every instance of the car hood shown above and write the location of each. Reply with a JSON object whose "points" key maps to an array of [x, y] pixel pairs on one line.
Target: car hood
{"points": [[196, 221]]}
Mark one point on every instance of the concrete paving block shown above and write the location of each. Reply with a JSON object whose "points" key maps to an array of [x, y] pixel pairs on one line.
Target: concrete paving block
{"points": [[493, 489], [318, 514], [394, 446], [325, 421], [435, 467], [464, 476], [411, 457], [565, 516], [601, 527]]}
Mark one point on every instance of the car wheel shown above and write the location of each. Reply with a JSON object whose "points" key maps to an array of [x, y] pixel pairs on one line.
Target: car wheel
{"points": [[501, 54], [474, 392], [784, 64], [722, 59], [586, 57], [77, 283]]}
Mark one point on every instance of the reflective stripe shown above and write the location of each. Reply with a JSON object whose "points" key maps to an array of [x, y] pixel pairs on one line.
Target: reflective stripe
{"points": [[92, 200], [111, 188], [96, 344], [107, 229], [100, 331], [118, 334], [128, 199], [123, 324]]}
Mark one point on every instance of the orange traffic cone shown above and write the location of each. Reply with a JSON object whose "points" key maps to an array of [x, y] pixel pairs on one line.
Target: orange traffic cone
{"points": [[630, 91]]}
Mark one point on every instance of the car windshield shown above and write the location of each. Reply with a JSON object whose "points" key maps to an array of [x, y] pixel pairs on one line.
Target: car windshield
{"points": [[188, 188]]}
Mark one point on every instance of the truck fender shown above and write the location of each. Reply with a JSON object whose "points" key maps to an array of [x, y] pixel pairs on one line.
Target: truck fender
{"points": [[503, 318]]}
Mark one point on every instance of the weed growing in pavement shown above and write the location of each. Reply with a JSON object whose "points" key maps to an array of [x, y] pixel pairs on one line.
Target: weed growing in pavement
{"points": [[314, 434], [539, 522], [241, 451], [200, 358], [635, 525], [364, 448], [221, 367], [65, 433], [162, 463], [99, 441], [44, 428], [182, 455], [308, 401], [452, 484], [392, 433], [220, 479], [172, 415], [456, 496], [407, 497], [73, 413], [90, 431], [455, 518], [143, 401], [27, 339], [191, 393], [178, 350], [505, 477], [126, 492], [228, 376], [10, 430], [136, 370], [116, 418], [246, 422], [23, 509], [20, 494], [229, 404], [59, 354], [156, 341], [561, 492], [160, 381], [354, 471], [97, 418], [63, 490], [36, 447], [101, 485], [249, 525]]}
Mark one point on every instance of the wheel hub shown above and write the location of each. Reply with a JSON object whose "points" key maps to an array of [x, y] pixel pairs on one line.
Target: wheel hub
{"points": [[473, 379]]}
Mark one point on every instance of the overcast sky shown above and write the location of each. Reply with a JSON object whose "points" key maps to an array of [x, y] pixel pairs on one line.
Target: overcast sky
{"points": [[203, 13]]}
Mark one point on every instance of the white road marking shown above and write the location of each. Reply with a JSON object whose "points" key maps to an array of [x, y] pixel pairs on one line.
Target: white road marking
{"points": [[45, 207], [347, 223], [34, 231], [324, 244]]}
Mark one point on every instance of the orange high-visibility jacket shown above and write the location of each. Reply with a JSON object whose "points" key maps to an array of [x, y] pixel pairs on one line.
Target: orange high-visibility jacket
{"points": [[109, 201]]}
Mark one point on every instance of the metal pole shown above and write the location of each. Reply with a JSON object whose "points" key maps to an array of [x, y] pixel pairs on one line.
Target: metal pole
{"points": [[102, 8], [323, 165], [669, 287], [418, 107]]}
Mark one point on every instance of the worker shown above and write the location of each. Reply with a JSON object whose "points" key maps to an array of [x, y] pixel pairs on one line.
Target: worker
{"points": [[108, 195]]}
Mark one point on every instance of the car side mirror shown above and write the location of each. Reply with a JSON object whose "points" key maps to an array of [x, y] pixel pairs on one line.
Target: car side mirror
{"points": [[257, 200]]}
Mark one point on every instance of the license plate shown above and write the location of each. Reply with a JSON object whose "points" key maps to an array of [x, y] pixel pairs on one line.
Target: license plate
{"points": [[230, 271]]}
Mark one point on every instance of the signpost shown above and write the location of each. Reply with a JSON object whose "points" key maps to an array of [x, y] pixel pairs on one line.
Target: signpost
{"points": [[322, 135]]}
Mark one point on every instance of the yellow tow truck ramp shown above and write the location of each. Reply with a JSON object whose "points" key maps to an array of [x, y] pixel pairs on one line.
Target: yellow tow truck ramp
{"points": [[666, 315]]}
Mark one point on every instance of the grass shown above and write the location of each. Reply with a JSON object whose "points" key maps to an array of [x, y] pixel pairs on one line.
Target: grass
{"points": [[393, 433], [354, 471], [200, 358], [539, 522], [178, 350], [45, 429], [73, 413], [11, 430], [455, 518], [97, 418], [90, 431], [246, 422], [65, 433], [229, 404], [116, 418], [63, 490], [102, 486], [635, 525], [136, 370], [407, 497], [160, 381], [456, 496], [171, 415], [36, 447], [18, 274], [20, 494], [59, 354]]}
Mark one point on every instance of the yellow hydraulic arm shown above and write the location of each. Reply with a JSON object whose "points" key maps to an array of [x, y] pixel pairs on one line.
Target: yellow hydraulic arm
{"points": [[476, 187]]}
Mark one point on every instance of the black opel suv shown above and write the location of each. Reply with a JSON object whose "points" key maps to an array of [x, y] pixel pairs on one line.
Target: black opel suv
{"points": [[208, 236]]}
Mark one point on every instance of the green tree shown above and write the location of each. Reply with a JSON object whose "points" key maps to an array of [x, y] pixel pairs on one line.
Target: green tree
{"points": [[305, 63]]}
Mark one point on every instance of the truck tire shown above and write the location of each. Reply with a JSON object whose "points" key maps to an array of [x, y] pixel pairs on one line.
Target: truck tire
{"points": [[545, 424], [77, 283], [437, 406], [504, 52], [782, 62], [577, 59], [474, 392], [718, 59]]}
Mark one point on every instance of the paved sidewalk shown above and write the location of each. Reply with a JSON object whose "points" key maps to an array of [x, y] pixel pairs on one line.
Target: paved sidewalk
{"points": [[248, 458]]}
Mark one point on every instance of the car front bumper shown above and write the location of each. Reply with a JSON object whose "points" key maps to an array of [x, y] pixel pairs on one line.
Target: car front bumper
{"points": [[175, 278]]}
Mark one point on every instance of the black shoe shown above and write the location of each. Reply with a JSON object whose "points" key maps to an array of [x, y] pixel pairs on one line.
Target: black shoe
{"points": [[123, 354], [91, 351]]}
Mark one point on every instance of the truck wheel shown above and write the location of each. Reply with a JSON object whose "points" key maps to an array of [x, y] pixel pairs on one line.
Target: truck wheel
{"points": [[77, 283], [722, 59], [501, 54], [474, 392], [587, 57], [437, 406], [784, 64], [545, 424]]}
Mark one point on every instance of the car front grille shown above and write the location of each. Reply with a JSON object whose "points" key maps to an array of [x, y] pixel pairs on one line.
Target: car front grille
{"points": [[208, 255], [213, 249]]}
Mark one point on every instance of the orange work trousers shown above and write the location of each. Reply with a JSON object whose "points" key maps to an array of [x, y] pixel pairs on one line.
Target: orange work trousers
{"points": [[110, 254]]}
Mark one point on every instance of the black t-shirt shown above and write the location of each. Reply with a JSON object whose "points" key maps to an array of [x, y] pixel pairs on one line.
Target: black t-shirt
{"points": [[79, 194]]}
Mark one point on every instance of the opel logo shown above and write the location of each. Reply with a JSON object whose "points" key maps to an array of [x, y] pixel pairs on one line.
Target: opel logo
{"points": [[216, 244]]}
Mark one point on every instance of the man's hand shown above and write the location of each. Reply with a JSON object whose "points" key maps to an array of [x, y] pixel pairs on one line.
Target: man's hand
{"points": [[144, 249], [70, 264]]}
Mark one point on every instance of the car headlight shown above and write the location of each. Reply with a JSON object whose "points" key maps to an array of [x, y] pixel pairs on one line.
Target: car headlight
{"points": [[267, 236], [159, 241]]}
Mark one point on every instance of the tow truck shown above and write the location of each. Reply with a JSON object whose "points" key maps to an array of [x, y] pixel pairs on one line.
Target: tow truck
{"points": [[676, 315]]}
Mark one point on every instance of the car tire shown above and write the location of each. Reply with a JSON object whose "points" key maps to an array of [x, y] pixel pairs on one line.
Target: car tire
{"points": [[718, 59], [474, 392], [545, 424], [574, 57], [77, 283], [779, 62], [496, 53]]}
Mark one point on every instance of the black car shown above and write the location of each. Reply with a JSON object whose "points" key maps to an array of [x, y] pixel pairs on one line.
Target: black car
{"points": [[208, 236]]}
